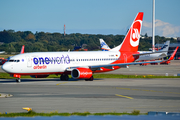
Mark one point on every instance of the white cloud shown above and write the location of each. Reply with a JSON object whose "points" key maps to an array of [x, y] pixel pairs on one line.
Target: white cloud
{"points": [[162, 29]]}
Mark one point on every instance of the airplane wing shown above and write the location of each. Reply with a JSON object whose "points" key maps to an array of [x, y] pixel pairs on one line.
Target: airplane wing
{"points": [[110, 66], [173, 54], [163, 50], [149, 53]]}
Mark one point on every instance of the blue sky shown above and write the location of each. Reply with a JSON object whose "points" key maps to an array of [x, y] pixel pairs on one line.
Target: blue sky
{"points": [[89, 16]]}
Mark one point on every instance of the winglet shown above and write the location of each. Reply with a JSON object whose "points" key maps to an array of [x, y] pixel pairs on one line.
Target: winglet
{"points": [[173, 54], [22, 50]]}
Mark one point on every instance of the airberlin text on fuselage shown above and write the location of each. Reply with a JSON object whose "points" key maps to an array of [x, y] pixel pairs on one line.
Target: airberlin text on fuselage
{"points": [[52, 60]]}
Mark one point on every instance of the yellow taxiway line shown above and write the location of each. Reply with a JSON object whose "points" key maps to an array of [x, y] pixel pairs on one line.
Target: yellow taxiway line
{"points": [[62, 83], [124, 96]]}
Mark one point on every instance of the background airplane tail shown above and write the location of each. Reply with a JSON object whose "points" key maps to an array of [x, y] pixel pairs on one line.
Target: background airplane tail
{"points": [[131, 41], [165, 47], [104, 46]]}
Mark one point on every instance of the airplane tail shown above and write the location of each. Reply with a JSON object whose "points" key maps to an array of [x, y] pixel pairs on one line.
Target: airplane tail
{"points": [[22, 50], [165, 47], [104, 46], [131, 41]]}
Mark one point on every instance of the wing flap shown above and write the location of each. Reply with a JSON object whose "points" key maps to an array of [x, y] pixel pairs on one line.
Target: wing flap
{"points": [[149, 53]]}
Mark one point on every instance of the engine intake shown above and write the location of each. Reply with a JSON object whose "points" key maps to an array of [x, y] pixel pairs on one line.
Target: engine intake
{"points": [[81, 73]]}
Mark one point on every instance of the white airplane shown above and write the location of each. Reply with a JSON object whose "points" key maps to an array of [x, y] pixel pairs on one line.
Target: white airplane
{"points": [[1, 52], [144, 55], [81, 64]]}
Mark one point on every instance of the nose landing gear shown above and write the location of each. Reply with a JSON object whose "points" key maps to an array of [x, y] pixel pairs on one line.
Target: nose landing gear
{"points": [[18, 80]]}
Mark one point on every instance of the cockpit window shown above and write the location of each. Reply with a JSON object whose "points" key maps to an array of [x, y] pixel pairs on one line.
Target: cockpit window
{"points": [[11, 61], [14, 60]]}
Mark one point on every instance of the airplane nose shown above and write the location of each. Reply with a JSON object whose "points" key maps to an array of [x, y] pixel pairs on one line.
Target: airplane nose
{"points": [[2, 67], [5, 67]]}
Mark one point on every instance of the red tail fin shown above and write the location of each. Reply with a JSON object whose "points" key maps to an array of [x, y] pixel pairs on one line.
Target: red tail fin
{"points": [[131, 41], [22, 50]]}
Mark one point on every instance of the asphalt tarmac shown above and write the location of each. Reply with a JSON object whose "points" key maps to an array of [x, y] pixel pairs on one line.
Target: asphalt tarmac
{"points": [[171, 70], [100, 95]]}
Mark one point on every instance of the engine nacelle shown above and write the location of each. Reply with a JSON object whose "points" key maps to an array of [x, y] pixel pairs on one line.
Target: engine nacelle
{"points": [[81, 73], [39, 76]]}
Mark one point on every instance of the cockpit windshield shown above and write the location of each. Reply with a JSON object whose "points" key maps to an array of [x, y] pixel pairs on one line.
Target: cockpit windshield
{"points": [[11, 60]]}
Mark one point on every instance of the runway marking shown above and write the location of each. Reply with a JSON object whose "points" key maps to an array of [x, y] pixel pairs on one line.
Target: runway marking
{"points": [[62, 83], [124, 96]]}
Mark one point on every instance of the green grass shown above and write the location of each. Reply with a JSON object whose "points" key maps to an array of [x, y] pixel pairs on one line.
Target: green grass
{"points": [[55, 113], [7, 76]]}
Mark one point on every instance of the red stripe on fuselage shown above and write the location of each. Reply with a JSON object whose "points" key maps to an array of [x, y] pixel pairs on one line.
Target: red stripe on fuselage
{"points": [[45, 73]]}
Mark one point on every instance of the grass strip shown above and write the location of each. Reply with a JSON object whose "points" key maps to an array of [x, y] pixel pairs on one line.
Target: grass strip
{"points": [[7, 76], [55, 113]]}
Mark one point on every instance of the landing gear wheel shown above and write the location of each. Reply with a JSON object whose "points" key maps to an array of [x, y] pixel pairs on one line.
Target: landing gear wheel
{"points": [[18, 80], [64, 77], [90, 79]]}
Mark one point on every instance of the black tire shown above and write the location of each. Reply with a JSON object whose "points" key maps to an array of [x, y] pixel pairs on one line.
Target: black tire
{"points": [[64, 77], [18, 80], [90, 79]]}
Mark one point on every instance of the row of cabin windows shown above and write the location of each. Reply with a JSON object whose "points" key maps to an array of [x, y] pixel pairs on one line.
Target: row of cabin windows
{"points": [[100, 59], [49, 60]]}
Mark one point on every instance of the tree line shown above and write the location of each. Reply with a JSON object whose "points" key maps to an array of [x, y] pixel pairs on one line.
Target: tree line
{"points": [[11, 41]]}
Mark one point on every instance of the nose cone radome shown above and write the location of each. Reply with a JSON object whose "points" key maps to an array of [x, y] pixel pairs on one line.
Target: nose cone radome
{"points": [[5, 67]]}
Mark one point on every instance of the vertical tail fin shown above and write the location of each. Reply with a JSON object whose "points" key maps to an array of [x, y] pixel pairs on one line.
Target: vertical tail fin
{"points": [[22, 50], [104, 46], [131, 41], [165, 47]]}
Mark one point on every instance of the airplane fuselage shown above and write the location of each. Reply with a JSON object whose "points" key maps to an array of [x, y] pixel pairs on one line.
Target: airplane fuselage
{"points": [[57, 62]]}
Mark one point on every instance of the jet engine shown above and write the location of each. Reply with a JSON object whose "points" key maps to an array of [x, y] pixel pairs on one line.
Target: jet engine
{"points": [[81, 73]]}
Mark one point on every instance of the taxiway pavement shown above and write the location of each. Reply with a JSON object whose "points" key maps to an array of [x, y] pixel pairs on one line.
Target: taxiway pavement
{"points": [[100, 95]]}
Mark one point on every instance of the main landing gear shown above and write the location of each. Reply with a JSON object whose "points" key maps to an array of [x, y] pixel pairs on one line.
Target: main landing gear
{"points": [[64, 77], [90, 79], [18, 80]]}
